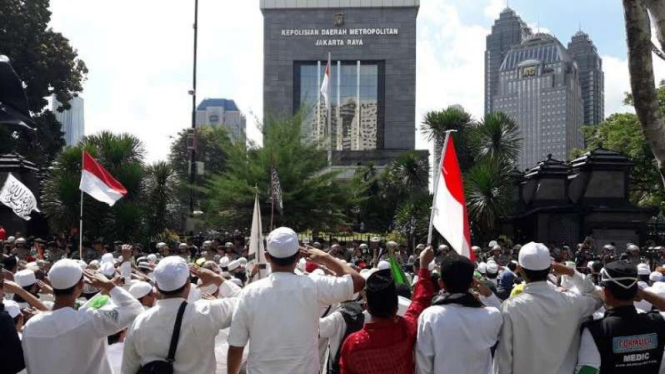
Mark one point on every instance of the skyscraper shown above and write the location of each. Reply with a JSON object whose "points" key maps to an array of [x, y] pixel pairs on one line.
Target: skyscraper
{"points": [[507, 31], [592, 78], [539, 88], [72, 120], [222, 112]]}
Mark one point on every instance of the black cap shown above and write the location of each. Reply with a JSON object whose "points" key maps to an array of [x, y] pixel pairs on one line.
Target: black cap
{"points": [[380, 281], [622, 269]]}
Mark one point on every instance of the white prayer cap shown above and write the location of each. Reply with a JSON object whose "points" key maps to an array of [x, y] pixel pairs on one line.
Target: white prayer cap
{"points": [[207, 242], [12, 308], [643, 269], [152, 258], [107, 269], [242, 261], [383, 265], [107, 258], [282, 243], [475, 248], [171, 273], [363, 246], [140, 289], [224, 262], [161, 244], [535, 256], [420, 246], [237, 282], [590, 265], [25, 278], [233, 265], [228, 245], [32, 266], [182, 245], [144, 265], [392, 244], [375, 239], [656, 276], [20, 241], [492, 267], [11, 239], [482, 268], [493, 243], [65, 274]]}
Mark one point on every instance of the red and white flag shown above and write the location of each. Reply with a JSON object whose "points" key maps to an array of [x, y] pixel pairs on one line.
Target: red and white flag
{"points": [[449, 207], [325, 89], [98, 183]]}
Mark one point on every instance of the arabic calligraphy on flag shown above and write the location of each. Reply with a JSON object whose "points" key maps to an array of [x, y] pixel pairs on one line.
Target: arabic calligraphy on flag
{"points": [[17, 197]]}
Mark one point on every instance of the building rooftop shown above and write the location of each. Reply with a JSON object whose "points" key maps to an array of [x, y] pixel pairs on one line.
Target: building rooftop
{"points": [[305, 4], [227, 104], [541, 47]]}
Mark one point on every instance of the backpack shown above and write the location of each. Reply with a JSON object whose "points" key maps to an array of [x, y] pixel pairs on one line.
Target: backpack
{"points": [[354, 318]]}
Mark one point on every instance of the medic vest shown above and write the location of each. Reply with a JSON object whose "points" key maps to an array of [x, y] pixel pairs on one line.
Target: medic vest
{"points": [[629, 342]]}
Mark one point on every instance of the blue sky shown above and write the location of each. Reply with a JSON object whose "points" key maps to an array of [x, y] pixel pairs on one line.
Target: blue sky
{"points": [[139, 56]]}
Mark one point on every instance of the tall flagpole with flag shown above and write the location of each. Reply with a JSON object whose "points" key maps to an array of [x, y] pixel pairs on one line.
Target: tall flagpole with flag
{"points": [[100, 185], [325, 91], [449, 205]]}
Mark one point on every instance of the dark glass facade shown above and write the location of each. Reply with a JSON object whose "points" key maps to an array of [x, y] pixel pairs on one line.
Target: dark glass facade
{"points": [[356, 106]]}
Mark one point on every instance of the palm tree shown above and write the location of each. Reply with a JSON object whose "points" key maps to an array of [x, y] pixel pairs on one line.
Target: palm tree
{"points": [[497, 138], [409, 174], [159, 189], [437, 123], [487, 187]]}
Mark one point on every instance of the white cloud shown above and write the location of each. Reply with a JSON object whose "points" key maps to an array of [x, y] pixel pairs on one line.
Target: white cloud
{"points": [[494, 8]]}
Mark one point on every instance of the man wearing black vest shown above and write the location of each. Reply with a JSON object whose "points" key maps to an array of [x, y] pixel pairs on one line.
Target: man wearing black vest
{"points": [[623, 341]]}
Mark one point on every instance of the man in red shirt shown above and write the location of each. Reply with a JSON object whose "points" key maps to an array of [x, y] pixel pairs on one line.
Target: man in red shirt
{"points": [[385, 345]]}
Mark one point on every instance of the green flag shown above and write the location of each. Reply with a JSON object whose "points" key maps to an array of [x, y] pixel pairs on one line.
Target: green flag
{"points": [[398, 273]]}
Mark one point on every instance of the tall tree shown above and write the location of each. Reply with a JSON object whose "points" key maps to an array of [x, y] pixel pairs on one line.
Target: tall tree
{"points": [[47, 64], [436, 123], [497, 139], [640, 65], [161, 206]]}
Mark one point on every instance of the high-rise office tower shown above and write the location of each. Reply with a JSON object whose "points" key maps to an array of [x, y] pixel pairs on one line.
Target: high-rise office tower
{"points": [[592, 78], [539, 88], [222, 112], [507, 31], [72, 120]]}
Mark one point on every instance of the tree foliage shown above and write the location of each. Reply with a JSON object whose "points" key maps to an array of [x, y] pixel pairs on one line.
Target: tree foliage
{"points": [[312, 197], [47, 64]]}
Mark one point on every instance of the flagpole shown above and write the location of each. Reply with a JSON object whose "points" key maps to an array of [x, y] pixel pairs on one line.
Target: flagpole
{"points": [[329, 110], [272, 197], [81, 216], [436, 185]]}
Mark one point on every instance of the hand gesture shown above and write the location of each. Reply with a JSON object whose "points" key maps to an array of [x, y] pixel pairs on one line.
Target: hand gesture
{"points": [[97, 280], [314, 255], [206, 276], [44, 288], [561, 269], [481, 288], [426, 256], [10, 286]]}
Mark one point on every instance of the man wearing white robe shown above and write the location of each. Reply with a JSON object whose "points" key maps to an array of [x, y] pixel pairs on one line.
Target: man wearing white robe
{"points": [[67, 341]]}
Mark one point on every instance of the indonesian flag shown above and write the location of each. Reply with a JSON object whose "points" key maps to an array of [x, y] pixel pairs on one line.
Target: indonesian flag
{"points": [[449, 208], [98, 183], [325, 85]]}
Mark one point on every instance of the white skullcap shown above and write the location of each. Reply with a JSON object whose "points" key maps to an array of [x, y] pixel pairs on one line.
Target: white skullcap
{"points": [[182, 245], [420, 246], [228, 245], [144, 265], [375, 239], [492, 267], [242, 261], [643, 269], [224, 262], [475, 248], [656, 276], [392, 244], [282, 243], [207, 242], [140, 289], [535, 256], [482, 268], [20, 240], [65, 274], [25, 278], [32, 266], [171, 273], [493, 243], [233, 265], [363, 245], [237, 282], [383, 265], [590, 265], [107, 258], [152, 258], [161, 244], [107, 269], [11, 239], [12, 308]]}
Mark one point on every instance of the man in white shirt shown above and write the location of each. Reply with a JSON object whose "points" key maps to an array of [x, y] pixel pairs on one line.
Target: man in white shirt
{"points": [[149, 337], [279, 315], [541, 326], [67, 341], [456, 334]]}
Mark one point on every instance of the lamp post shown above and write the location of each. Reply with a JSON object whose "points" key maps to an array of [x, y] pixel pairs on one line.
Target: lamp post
{"points": [[192, 157]]}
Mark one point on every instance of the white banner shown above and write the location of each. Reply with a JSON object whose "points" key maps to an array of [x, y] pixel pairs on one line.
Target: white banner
{"points": [[18, 197]]}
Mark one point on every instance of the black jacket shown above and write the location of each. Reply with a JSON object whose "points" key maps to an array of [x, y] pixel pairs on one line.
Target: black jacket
{"points": [[11, 352]]}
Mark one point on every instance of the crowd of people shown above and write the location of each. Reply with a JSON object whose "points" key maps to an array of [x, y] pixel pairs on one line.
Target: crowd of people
{"points": [[376, 307]]}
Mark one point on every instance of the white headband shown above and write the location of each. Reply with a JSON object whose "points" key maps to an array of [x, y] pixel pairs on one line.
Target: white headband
{"points": [[605, 277]]}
